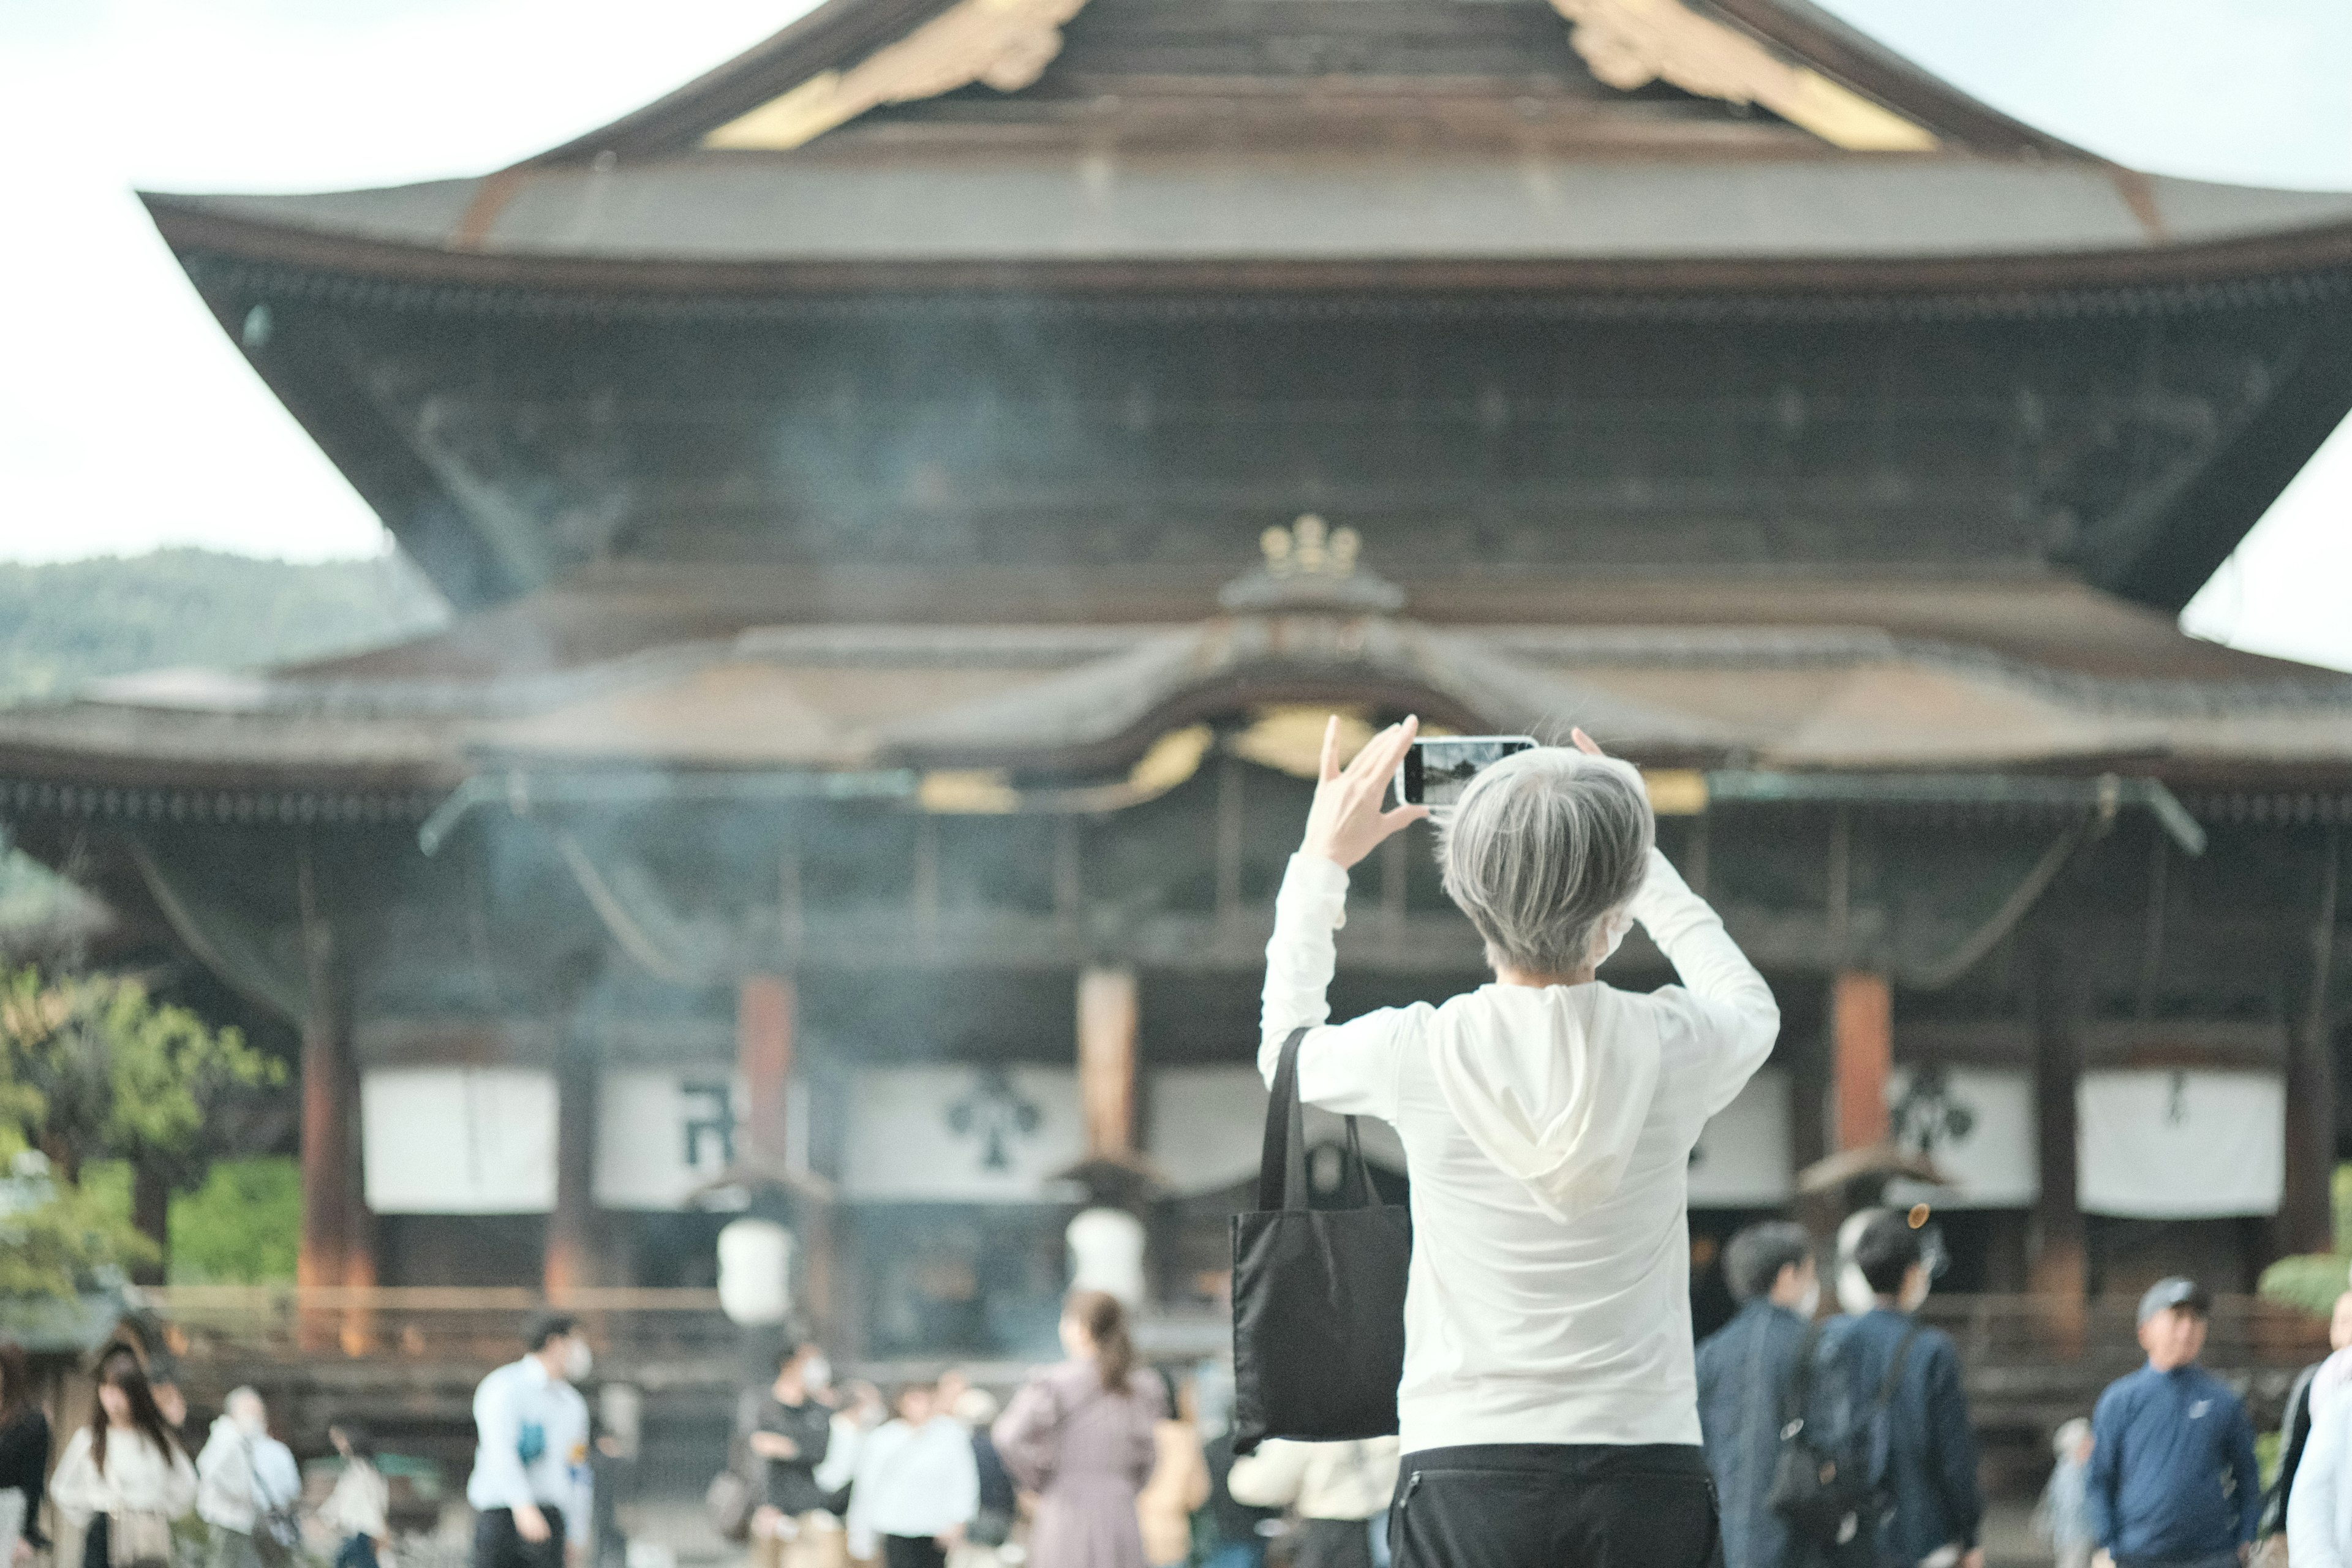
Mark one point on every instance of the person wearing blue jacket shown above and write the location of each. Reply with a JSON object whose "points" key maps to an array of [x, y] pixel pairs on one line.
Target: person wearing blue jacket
{"points": [[1928, 1476], [2173, 1483]]}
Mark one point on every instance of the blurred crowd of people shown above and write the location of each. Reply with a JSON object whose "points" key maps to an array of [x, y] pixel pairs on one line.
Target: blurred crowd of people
{"points": [[1846, 1443], [1097, 1462], [131, 1489]]}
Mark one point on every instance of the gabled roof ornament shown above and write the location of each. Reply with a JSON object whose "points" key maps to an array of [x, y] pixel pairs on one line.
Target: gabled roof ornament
{"points": [[1310, 566], [1631, 43], [1007, 44]]}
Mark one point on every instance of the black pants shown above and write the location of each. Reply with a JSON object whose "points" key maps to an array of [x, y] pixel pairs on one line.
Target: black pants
{"points": [[498, 1544], [1554, 1505], [913, 1552], [1332, 1543]]}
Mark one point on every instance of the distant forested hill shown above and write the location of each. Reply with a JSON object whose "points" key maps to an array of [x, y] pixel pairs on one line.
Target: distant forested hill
{"points": [[73, 621]]}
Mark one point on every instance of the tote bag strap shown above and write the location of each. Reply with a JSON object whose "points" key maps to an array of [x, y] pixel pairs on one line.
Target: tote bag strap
{"points": [[1282, 1165]]}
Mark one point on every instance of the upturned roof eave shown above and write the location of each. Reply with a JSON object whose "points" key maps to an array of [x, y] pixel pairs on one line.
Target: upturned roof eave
{"points": [[196, 227]]}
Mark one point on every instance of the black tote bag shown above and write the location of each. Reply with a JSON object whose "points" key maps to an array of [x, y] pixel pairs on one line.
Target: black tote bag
{"points": [[1319, 1295]]}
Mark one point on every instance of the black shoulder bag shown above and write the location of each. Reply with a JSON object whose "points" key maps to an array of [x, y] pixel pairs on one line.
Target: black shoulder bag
{"points": [[1319, 1295], [1825, 1495]]}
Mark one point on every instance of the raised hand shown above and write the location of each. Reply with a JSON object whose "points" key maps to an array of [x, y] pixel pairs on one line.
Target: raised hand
{"points": [[1346, 821]]}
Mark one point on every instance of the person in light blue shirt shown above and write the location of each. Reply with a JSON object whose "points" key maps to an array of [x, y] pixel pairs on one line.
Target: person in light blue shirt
{"points": [[530, 1488], [2173, 1480]]}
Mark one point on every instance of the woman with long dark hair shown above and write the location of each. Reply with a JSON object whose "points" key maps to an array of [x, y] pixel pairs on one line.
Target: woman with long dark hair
{"points": [[1082, 1436], [353, 1513], [24, 1456], [125, 1478]]}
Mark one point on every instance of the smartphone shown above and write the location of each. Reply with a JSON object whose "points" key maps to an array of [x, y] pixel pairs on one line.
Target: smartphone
{"points": [[1436, 771]]}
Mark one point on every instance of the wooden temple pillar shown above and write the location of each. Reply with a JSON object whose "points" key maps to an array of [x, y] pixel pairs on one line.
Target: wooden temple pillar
{"points": [[337, 1245], [571, 1263], [1109, 1023], [1862, 1054], [2305, 1216], [2057, 1264], [767, 1032]]}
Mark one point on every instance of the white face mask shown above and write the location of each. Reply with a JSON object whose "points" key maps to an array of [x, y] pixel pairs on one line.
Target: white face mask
{"points": [[1612, 934], [1854, 1295], [579, 1360], [817, 1373], [1810, 1301]]}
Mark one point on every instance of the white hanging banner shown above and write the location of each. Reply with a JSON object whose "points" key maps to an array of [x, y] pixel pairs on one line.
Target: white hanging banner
{"points": [[458, 1141], [2160, 1144], [962, 1135], [664, 1133], [1206, 1129], [1976, 1125], [1742, 1160]]}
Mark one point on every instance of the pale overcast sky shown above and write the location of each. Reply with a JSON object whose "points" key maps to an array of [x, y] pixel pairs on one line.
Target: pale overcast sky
{"points": [[127, 420]]}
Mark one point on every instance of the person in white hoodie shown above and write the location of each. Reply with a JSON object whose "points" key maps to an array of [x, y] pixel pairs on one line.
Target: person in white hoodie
{"points": [[1548, 1407]]}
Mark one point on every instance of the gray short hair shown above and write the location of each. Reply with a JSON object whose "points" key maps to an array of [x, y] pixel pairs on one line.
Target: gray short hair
{"points": [[1543, 846]]}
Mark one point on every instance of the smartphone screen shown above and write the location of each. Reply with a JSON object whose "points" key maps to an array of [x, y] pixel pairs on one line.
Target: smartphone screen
{"points": [[1436, 772]]}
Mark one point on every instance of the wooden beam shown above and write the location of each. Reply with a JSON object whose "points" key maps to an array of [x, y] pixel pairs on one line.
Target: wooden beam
{"points": [[1861, 1035], [1108, 1021], [766, 1013]]}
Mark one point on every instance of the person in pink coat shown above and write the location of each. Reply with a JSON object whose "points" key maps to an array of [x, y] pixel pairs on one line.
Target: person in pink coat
{"points": [[1082, 1436]]}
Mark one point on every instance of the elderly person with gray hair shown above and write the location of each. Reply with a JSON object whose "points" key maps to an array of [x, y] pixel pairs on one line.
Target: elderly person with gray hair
{"points": [[1548, 1405], [247, 1486]]}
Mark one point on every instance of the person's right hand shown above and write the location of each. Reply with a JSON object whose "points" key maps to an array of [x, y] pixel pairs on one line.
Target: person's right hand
{"points": [[764, 1520], [773, 1445], [531, 1524], [1346, 822]]}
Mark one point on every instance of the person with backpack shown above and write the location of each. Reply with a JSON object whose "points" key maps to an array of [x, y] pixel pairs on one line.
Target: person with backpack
{"points": [[1907, 1412], [2174, 1482], [1765, 1406], [246, 1487]]}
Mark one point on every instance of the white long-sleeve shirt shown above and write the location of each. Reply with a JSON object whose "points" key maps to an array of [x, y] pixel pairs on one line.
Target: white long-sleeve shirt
{"points": [[915, 1481], [531, 1445], [1548, 1132], [138, 1477], [2319, 1506], [1322, 1481]]}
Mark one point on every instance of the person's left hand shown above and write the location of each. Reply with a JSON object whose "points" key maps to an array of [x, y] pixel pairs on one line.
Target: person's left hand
{"points": [[773, 1445], [1346, 822], [1974, 1556], [575, 1553], [950, 1538]]}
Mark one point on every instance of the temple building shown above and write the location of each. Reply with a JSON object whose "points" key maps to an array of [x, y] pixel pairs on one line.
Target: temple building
{"points": [[911, 494]]}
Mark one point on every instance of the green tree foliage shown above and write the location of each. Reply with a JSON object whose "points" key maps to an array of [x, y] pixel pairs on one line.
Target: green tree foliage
{"points": [[90, 1068], [74, 621], [242, 1227], [2312, 1280]]}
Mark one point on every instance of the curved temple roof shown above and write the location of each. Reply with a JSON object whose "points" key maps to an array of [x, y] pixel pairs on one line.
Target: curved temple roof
{"points": [[920, 132]]}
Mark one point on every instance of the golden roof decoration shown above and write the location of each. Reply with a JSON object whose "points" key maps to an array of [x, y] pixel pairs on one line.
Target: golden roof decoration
{"points": [[1311, 565]]}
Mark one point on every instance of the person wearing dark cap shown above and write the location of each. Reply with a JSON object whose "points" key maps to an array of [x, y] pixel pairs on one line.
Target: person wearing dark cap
{"points": [[1902, 1379], [2173, 1480]]}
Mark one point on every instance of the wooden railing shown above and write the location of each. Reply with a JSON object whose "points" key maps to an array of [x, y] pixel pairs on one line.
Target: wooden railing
{"points": [[432, 1323], [2025, 1330]]}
